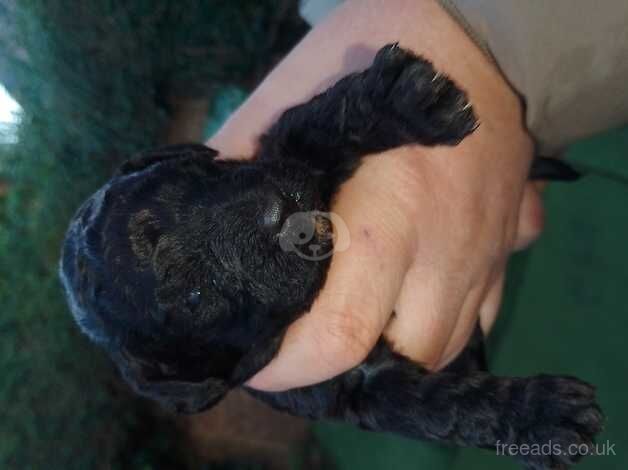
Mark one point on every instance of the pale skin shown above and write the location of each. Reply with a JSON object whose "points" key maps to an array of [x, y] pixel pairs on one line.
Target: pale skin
{"points": [[431, 228]]}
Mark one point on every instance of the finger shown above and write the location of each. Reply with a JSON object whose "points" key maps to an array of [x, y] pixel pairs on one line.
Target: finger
{"points": [[465, 326], [531, 217], [481, 305], [427, 313], [435, 318], [492, 303], [357, 300]]}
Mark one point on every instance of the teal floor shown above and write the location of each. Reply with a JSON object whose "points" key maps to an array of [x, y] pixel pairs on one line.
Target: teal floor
{"points": [[564, 312]]}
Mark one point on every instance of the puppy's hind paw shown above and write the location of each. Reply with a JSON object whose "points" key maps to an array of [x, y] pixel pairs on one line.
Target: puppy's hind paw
{"points": [[424, 105], [560, 419], [432, 104]]}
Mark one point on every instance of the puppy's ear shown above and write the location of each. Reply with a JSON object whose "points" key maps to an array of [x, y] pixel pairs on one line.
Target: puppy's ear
{"points": [[177, 396], [150, 157]]}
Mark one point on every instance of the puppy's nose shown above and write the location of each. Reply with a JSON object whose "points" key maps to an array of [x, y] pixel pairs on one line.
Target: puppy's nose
{"points": [[276, 209]]}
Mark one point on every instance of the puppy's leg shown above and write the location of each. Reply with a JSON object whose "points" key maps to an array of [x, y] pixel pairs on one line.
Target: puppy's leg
{"points": [[390, 393], [399, 100], [481, 410]]}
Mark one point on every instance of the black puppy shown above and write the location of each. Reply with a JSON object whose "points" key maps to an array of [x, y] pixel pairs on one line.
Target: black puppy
{"points": [[178, 267]]}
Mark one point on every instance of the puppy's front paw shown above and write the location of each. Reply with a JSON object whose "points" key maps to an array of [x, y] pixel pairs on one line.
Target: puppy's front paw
{"points": [[428, 104], [559, 420]]}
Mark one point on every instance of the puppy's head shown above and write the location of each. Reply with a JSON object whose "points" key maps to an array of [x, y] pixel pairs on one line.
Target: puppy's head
{"points": [[178, 266]]}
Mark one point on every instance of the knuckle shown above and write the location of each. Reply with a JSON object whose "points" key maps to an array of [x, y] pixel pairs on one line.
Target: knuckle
{"points": [[346, 338]]}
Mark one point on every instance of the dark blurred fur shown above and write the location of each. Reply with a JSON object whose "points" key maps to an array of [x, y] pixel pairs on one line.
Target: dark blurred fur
{"points": [[176, 269]]}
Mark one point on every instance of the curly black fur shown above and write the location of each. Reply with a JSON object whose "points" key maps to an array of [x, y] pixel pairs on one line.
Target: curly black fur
{"points": [[175, 268]]}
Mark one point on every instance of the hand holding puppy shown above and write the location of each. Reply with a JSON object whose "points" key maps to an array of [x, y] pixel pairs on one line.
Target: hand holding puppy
{"points": [[431, 228]]}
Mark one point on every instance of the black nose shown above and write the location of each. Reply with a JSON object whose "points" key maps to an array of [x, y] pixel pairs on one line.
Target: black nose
{"points": [[276, 209]]}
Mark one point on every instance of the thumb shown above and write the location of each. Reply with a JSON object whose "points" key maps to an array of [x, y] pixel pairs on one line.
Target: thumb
{"points": [[357, 300]]}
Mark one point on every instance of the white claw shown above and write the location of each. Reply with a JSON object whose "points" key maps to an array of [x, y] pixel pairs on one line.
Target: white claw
{"points": [[466, 106], [436, 76]]}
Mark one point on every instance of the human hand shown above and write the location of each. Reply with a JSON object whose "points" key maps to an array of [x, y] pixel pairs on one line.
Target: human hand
{"points": [[431, 228]]}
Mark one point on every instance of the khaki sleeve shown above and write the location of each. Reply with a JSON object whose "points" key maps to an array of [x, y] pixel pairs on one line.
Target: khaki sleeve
{"points": [[568, 59]]}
